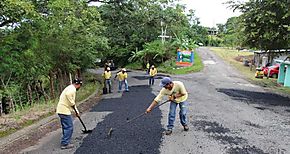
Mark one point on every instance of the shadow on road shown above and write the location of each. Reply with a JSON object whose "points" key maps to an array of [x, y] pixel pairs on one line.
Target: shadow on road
{"points": [[140, 136]]}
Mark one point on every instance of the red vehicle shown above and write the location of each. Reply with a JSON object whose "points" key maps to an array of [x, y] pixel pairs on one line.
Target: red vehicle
{"points": [[274, 71]]}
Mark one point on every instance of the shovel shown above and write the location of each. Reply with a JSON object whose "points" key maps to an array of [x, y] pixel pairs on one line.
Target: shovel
{"points": [[86, 131], [128, 121]]}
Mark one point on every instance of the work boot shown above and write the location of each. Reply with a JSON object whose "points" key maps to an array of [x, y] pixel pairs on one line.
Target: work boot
{"points": [[68, 146], [185, 128], [168, 132]]}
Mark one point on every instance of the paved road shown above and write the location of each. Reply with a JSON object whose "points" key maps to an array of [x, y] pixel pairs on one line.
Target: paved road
{"points": [[227, 114]]}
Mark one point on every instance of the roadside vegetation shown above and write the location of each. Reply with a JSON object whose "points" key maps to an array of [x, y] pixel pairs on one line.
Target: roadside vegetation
{"points": [[31, 113], [171, 68], [233, 57]]}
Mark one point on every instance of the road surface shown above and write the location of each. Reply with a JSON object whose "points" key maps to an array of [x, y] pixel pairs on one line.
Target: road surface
{"points": [[227, 114]]}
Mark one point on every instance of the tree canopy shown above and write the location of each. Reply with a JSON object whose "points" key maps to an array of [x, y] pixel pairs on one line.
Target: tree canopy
{"points": [[265, 23]]}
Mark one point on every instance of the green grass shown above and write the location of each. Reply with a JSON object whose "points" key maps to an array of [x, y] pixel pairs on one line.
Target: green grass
{"points": [[171, 68], [8, 132], [229, 56], [134, 66]]}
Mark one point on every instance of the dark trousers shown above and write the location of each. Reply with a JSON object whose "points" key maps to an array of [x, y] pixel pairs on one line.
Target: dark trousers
{"points": [[151, 80], [108, 84]]}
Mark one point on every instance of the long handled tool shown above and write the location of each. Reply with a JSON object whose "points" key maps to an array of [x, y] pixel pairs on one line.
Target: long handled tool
{"points": [[86, 131], [128, 121]]}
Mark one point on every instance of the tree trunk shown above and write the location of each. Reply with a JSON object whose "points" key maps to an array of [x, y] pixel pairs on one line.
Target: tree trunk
{"points": [[61, 80], [51, 81], [1, 109], [29, 94], [43, 91], [36, 91], [20, 100], [11, 104], [78, 73], [58, 83]]}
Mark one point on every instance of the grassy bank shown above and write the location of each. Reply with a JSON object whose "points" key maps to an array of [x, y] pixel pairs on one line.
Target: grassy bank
{"points": [[171, 68], [31, 114], [230, 56]]}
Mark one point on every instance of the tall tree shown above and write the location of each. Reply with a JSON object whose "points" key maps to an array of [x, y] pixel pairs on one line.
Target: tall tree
{"points": [[266, 23]]}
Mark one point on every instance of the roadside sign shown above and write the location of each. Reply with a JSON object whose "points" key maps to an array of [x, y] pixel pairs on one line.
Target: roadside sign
{"points": [[184, 58]]}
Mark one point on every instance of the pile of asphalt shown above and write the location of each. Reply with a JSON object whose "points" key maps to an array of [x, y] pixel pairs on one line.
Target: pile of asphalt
{"points": [[142, 135]]}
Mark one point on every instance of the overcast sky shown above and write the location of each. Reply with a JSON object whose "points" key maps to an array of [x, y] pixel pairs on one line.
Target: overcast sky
{"points": [[210, 12]]}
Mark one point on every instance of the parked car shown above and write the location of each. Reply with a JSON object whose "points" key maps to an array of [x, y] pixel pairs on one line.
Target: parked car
{"points": [[274, 71]]}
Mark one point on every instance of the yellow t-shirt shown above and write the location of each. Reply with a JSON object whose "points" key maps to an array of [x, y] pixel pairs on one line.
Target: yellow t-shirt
{"points": [[153, 72], [107, 74], [178, 88], [67, 100], [147, 65], [122, 76]]}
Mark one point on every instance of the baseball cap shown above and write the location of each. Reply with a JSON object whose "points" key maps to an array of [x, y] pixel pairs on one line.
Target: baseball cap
{"points": [[108, 68], [77, 81], [165, 81], [124, 69]]}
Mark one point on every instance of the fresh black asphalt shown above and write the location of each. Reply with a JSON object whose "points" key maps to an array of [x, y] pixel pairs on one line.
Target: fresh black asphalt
{"points": [[142, 135]]}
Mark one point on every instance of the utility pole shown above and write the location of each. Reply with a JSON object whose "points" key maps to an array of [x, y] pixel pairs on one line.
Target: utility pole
{"points": [[163, 32]]}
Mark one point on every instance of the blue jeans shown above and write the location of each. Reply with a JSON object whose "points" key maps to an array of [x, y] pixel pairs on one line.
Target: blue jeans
{"points": [[108, 84], [121, 84], [151, 80], [182, 114], [67, 128]]}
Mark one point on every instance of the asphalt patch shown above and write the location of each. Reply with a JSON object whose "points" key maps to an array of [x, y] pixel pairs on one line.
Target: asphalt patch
{"points": [[252, 97], [245, 150], [234, 144], [218, 132], [142, 135], [146, 77]]}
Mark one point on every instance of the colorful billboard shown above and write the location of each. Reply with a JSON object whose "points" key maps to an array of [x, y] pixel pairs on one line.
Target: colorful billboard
{"points": [[184, 58]]}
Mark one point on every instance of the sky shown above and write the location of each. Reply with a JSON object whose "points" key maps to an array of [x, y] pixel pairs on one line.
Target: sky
{"points": [[210, 12]]}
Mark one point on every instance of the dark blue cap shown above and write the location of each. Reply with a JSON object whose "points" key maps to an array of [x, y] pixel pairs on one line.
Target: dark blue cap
{"points": [[165, 81]]}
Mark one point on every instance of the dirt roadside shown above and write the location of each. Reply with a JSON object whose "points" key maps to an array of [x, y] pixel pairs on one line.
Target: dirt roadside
{"points": [[30, 135]]}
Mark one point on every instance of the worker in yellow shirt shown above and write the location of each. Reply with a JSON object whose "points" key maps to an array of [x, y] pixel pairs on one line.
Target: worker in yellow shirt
{"points": [[147, 67], [152, 74], [122, 78], [107, 79], [65, 106], [177, 96]]}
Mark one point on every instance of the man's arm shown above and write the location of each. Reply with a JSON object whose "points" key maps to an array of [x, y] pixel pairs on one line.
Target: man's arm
{"points": [[76, 110], [177, 95], [154, 103], [71, 98]]}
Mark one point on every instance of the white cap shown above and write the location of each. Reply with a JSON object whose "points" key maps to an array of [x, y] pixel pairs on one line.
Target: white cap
{"points": [[152, 66], [108, 68], [124, 69]]}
